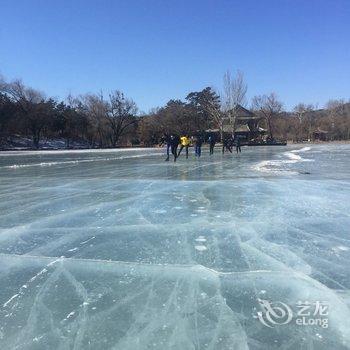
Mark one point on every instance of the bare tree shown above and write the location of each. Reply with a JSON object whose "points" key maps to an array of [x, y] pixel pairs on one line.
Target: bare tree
{"points": [[235, 90], [121, 115], [226, 98], [304, 114], [33, 106], [269, 106], [337, 105], [7, 112], [336, 110], [96, 110], [21, 94]]}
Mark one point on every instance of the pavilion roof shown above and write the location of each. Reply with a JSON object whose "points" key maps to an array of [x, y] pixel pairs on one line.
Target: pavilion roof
{"points": [[244, 114]]}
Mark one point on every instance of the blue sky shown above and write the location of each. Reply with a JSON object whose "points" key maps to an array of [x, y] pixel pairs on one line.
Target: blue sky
{"points": [[157, 50]]}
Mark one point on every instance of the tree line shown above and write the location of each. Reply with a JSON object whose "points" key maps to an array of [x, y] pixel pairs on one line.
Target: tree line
{"points": [[98, 121]]}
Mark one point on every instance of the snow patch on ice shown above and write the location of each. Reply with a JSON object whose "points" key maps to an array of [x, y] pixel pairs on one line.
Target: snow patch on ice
{"points": [[71, 314], [160, 211], [340, 248], [301, 150], [278, 166], [200, 248]]}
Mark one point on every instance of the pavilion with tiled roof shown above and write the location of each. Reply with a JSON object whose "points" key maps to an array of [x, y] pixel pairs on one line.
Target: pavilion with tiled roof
{"points": [[243, 123]]}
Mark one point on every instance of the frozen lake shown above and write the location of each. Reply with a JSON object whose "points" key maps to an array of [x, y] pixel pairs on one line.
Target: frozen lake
{"points": [[120, 250]]}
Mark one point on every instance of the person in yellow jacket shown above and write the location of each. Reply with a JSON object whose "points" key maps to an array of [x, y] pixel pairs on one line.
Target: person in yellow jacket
{"points": [[185, 143]]}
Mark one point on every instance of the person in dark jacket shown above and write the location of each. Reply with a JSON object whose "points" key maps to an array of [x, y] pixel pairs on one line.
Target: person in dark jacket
{"points": [[238, 145], [198, 141], [212, 141], [165, 140], [227, 144], [174, 144]]}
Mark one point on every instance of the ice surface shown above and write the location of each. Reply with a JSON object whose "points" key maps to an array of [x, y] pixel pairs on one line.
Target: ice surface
{"points": [[121, 250]]}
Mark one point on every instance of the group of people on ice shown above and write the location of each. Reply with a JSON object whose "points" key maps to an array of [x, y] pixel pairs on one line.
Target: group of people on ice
{"points": [[175, 144]]}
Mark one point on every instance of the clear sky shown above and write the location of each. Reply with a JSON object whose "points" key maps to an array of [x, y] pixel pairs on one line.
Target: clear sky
{"points": [[156, 50]]}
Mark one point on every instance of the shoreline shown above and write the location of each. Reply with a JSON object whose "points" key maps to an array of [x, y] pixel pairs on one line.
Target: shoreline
{"points": [[126, 148]]}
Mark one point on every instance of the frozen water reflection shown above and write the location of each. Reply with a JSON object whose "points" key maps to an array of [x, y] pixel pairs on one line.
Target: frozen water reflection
{"points": [[121, 250]]}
